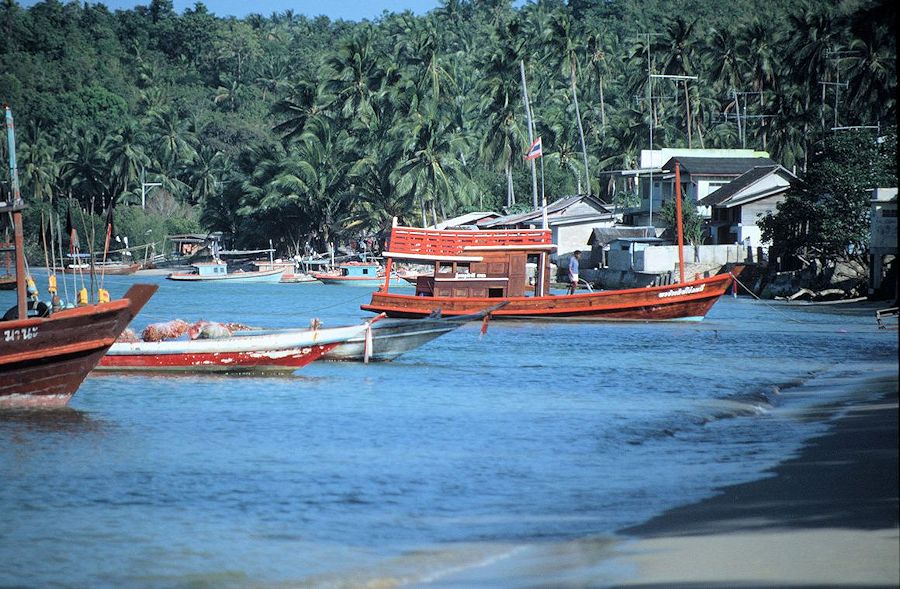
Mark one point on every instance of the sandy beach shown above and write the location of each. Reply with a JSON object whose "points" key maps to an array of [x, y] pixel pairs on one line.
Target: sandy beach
{"points": [[828, 517]]}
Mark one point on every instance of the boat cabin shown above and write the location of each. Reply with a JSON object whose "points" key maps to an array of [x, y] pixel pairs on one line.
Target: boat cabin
{"points": [[359, 270], [480, 264], [211, 268]]}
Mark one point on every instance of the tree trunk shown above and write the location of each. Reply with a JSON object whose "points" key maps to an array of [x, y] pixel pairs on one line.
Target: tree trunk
{"points": [[687, 112], [587, 171]]}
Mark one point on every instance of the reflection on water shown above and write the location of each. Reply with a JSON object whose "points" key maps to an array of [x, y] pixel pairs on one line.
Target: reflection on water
{"points": [[62, 420]]}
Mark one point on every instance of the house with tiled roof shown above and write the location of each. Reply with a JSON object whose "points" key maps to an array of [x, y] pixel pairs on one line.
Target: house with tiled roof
{"points": [[736, 208]]}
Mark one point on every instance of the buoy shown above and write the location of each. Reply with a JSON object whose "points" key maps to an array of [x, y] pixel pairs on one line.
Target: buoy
{"points": [[31, 288]]}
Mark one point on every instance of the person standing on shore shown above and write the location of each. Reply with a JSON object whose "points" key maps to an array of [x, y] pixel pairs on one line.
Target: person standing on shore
{"points": [[573, 271]]}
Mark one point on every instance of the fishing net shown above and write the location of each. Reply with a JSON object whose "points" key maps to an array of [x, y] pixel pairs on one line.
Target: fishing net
{"points": [[156, 332]]}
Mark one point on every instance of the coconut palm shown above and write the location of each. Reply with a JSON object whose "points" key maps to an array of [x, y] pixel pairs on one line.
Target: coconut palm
{"points": [[126, 156]]}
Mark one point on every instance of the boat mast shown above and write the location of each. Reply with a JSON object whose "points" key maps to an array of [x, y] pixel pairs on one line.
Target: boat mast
{"points": [[389, 265], [679, 221], [17, 206]]}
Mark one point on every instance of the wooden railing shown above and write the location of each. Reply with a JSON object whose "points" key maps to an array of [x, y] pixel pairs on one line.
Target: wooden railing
{"points": [[433, 242]]}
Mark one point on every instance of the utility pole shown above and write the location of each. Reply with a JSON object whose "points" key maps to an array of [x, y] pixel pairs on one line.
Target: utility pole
{"points": [[144, 187], [687, 106]]}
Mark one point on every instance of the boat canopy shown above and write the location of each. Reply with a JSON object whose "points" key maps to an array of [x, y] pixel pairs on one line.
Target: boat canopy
{"points": [[445, 245]]}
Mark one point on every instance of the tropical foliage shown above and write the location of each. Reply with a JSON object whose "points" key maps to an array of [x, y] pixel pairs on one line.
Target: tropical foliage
{"points": [[306, 130], [828, 216]]}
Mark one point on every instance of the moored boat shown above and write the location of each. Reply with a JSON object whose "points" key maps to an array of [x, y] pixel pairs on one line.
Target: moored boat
{"points": [[474, 269], [45, 355], [218, 270], [275, 351], [112, 268], [391, 338], [357, 274]]}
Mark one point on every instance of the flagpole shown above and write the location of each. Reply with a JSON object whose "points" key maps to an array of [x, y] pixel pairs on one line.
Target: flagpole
{"points": [[543, 196], [530, 132]]}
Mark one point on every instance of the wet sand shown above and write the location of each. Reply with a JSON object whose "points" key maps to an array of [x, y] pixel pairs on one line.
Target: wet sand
{"points": [[828, 517]]}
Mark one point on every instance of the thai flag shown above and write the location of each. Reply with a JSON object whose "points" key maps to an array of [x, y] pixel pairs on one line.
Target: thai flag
{"points": [[535, 150]]}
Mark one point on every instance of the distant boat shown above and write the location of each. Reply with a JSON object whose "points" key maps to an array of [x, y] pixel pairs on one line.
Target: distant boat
{"points": [[357, 274], [44, 354], [391, 338], [302, 277], [276, 351], [209, 271], [116, 268]]}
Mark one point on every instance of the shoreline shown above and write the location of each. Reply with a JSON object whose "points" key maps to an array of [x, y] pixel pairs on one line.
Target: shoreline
{"points": [[826, 517]]}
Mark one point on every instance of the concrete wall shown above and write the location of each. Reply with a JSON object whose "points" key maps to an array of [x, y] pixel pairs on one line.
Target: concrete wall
{"points": [[569, 238], [884, 221], [664, 258]]}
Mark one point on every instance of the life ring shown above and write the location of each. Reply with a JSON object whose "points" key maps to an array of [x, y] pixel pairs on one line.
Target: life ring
{"points": [[35, 309]]}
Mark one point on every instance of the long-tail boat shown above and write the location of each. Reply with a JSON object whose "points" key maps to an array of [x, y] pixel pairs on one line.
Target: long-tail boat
{"points": [[388, 339], [476, 269], [45, 355]]}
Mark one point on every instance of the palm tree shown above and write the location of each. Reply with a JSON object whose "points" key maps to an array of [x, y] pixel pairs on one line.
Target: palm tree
{"points": [[506, 138], [679, 57], [173, 141], [83, 170], [126, 157], [432, 169], [563, 42], [205, 174], [304, 100], [353, 78], [872, 78], [39, 170]]}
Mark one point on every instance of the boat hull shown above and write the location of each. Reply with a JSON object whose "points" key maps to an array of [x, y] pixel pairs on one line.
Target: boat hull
{"points": [[258, 361], [358, 281], [43, 361], [112, 269], [685, 301], [391, 339], [262, 276], [278, 351]]}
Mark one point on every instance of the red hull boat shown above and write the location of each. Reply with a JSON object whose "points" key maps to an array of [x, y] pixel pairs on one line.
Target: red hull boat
{"points": [[44, 357], [276, 351], [476, 269], [687, 301], [43, 360]]}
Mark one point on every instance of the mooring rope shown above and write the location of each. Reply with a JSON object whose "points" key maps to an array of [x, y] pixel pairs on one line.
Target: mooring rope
{"points": [[771, 306]]}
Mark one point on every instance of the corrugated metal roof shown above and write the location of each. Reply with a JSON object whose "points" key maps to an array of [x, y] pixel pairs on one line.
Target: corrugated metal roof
{"points": [[558, 206], [717, 166], [741, 183]]}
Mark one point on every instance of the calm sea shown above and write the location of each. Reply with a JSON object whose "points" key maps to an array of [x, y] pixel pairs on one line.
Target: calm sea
{"points": [[452, 459]]}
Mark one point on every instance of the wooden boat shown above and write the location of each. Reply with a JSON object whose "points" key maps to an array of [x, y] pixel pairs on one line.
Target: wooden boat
{"points": [[218, 270], [391, 338], [45, 356], [357, 274], [275, 351], [474, 269], [302, 277], [112, 268]]}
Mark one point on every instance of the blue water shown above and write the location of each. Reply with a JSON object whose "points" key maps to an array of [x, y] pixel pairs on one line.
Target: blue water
{"points": [[455, 455]]}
